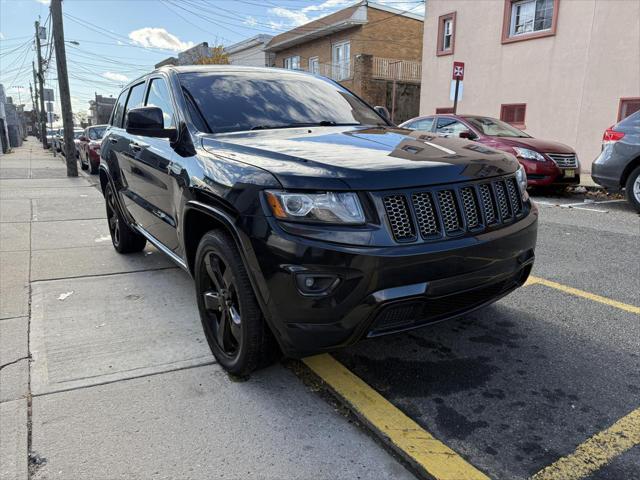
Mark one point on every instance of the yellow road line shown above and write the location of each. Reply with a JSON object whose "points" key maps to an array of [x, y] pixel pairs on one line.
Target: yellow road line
{"points": [[405, 435], [581, 293], [596, 451]]}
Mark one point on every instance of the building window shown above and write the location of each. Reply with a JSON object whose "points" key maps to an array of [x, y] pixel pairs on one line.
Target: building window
{"points": [[446, 33], [292, 63], [513, 113], [628, 106], [341, 53], [525, 19], [314, 65]]}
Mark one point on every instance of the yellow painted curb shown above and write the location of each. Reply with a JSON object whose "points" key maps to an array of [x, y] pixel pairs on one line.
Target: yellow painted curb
{"points": [[405, 435]]}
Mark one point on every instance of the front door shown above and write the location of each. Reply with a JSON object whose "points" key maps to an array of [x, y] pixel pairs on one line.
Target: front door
{"points": [[151, 163]]}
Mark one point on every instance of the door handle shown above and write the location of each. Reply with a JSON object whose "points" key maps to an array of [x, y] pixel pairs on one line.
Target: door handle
{"points": [[136, 147]]}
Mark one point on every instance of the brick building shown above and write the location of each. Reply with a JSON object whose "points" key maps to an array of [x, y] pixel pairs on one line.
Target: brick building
{"points": [[364, 47]]}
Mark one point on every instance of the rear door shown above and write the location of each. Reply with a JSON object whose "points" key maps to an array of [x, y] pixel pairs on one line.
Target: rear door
{"points": [[132, 181]]}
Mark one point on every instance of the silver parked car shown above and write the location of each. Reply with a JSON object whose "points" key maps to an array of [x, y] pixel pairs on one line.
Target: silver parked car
{"points": [[618, 165]]}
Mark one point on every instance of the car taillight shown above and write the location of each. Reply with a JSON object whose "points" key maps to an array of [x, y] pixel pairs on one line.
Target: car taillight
{"points": [[611, 136]]}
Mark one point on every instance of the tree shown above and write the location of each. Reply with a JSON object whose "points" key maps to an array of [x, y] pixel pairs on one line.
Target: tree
{"points": [[217, 57]]}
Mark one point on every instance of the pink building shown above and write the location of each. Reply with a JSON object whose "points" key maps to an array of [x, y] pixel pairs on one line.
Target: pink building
{"points": [[562, 70]]}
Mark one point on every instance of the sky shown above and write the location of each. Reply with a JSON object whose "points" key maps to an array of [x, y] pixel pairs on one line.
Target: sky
{"points": [[119, 40]]}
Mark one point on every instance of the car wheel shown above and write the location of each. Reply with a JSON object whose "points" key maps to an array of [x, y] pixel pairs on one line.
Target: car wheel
{"points": [[632, 189], [233, 323], [123, 237]]}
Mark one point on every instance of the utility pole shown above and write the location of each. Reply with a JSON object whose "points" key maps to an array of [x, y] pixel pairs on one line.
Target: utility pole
{"points": [[63, 86], [35, 98], [43, 115]]}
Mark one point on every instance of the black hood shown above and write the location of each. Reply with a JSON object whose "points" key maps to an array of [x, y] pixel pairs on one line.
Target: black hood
{"points": [[360, 158]]}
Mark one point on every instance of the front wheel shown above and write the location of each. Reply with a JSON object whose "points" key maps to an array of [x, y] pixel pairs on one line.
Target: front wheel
{"points": [[231, 318], [632, 189], [123, 237]]}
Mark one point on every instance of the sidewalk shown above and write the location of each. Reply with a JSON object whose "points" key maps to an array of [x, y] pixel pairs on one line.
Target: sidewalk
{"points": [[105, 373]]}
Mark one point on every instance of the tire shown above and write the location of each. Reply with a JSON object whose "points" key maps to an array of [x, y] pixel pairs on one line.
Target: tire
{"points": [[632, 188], [92, 170], [233, 324], [123, 237]]}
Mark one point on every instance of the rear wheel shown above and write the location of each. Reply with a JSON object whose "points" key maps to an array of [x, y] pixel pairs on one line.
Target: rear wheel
{"points": [[231, 318], [93, 169], [82, 164], [632, 189], [123, 237]]}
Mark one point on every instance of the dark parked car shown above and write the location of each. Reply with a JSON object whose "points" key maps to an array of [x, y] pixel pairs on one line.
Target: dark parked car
{"points": [[89, 147], [307, 221], [546, 163], [618, 166]]}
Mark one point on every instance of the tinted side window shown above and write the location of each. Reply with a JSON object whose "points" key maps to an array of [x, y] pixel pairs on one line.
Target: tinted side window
{"points": [[450, 127], [136, 98], [424, 124], [159, 96], [118, 111]]}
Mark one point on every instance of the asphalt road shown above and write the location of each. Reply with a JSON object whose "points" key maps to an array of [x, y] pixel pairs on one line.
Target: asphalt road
{"points": [[517, 385]]}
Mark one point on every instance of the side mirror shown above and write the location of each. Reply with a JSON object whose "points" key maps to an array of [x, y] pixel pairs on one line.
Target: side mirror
{"points": [[148, 122], [467, 134], [383, 112]]}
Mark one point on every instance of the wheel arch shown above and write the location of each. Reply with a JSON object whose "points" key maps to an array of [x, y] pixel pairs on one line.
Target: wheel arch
{"points": [[631, 166]]}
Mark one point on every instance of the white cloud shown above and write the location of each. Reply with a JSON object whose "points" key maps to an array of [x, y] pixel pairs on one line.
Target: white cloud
{"points": [[297, 17], [116, 77], [1, 36], [151, 37], [252, 22], [44, 2]]}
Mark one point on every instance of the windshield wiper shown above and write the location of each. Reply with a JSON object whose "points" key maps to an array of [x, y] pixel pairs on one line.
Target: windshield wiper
{"points": [[322, 123]]}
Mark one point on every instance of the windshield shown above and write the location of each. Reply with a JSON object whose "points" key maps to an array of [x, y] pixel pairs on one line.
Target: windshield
{"points": [[96, 133], [235, 101], [77, 135], [493, 127]]}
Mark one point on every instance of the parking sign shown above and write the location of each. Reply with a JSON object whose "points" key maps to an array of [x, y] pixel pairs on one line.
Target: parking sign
{"points": [[458, 70]]}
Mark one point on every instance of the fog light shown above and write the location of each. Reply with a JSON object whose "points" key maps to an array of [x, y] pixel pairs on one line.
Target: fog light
{"points": [[316, 284]]}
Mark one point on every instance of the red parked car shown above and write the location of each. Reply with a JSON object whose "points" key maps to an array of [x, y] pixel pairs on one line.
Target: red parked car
{"points": [[89, 147], [546, 163]]}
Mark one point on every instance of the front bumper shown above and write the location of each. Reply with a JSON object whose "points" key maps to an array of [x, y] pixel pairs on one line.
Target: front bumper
{"points": [[386, 290], [542, 174]]}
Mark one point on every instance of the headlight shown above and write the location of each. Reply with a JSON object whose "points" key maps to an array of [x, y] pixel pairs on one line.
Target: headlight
{"points": [[521, 177], [328, 207], [528, 154]]}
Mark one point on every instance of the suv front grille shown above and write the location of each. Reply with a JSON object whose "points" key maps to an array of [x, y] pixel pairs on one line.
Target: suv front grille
{"points": [[564, 160], [399, 217], [453, 211]]}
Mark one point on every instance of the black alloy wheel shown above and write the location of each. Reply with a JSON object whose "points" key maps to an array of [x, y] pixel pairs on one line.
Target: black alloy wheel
{"points": [[123, 237], [222, 306], [232, 320]]}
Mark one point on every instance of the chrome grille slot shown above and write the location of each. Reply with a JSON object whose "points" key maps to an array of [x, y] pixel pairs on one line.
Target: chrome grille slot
{"points": [[514, 195], [470, 205], [564, 160], [426, 214], [399, 216], [449, 211], [503, 201], [488, 204]]}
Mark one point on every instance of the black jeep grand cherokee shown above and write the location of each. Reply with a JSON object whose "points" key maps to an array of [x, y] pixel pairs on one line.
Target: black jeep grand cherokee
{"points": [[308, 221]]}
